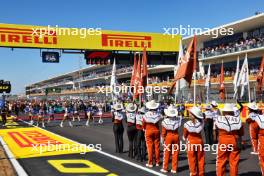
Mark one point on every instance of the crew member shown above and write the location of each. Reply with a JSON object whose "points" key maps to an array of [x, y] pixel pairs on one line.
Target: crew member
{"points": [[170, 137], [259, 119], [192, 133], [118, 126], [152, 133], [253, 126], [140, 138], [208, 124], [216, 112], [131, 128], [230, 130]]}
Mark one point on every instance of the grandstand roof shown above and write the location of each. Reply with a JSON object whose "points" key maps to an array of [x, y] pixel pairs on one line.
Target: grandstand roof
{"points": [[243, 25]]}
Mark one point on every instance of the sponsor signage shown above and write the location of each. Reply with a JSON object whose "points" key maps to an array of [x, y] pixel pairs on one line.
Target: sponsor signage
{"points": [[50, 57], [34, 142], [28, 36]]}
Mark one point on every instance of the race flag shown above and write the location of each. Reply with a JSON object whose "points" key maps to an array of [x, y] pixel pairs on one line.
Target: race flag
{"points": [[137, 81], [133, 71], [208, 83], [113, 82], [144, 75], [243, 79], [235, 82], [186, 65], [222, 86], [260, 77], [180, 84]]}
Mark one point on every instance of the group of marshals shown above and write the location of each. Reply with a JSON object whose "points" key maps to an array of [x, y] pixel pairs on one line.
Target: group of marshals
{"points": [[221, 126]]}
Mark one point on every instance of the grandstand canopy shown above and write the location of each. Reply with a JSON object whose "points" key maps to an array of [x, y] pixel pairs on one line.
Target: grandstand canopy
{"points": [[243, 25]]}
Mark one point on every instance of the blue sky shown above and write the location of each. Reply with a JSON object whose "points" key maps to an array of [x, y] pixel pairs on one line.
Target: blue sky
{"points": [[24, 66]]}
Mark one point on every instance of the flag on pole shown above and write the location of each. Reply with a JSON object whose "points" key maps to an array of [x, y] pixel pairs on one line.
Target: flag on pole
{"points": [[113, 82], [144, 75], [187, 65], [222, 85], [137, 81], [133, 71], [243, 79], [260, 77], [180, 84], [208, 83], [235, 82]]}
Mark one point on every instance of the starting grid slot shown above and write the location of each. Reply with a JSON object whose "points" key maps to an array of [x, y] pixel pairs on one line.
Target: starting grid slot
{"points": [[21, 143]]}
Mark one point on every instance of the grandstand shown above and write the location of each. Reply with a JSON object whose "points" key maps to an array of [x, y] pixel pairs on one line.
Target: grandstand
{"points": [[248, 37]]}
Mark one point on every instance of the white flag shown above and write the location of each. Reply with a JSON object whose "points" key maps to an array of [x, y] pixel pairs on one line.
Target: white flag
{"points": [[208, 83], [113, 81], [235, 82], [207, 79], [243, 79]]}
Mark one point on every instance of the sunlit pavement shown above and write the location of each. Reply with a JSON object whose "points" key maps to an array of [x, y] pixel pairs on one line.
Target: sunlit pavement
{"points": [[95, 163]]}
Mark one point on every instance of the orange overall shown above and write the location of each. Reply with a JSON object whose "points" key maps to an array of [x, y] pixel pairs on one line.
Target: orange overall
{"points": [[261, 149], [224, 155], [171, 146], [195, 154], [152, 135], [253, 131]]}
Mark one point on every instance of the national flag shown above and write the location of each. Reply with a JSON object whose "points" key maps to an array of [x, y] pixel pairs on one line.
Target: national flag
{"points": [[243, 79], [113, 82], [208, 83], [260, 77], [235, 82], [186, 65], [134, 71], [137, 82], [222, 86]]}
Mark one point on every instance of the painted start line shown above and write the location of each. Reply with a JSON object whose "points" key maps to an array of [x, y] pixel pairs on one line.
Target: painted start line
{"points": [[36, 151]]}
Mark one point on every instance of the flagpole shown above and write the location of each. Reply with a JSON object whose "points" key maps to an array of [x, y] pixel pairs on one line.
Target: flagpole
{"points": [[194, 88], [249, 98]]}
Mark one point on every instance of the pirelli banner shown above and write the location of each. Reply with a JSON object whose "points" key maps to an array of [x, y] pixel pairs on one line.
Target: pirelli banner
{"points": [[26, 36]]}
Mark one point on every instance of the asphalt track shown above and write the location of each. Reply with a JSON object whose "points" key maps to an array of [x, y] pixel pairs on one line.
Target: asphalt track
{"points": [[96, 163]]}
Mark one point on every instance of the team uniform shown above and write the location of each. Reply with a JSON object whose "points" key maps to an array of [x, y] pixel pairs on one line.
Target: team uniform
{"points": [[253, 130], [170, 135], [260, 128], [196, 157], [230, 129], [152, 135], [118, 130], [131, 133], [140, 137], [208, 126]]}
